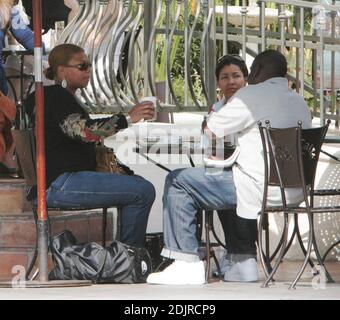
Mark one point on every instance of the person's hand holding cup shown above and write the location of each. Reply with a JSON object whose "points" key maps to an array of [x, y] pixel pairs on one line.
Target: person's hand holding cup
{"points": [[153, 100], [145, 110]]}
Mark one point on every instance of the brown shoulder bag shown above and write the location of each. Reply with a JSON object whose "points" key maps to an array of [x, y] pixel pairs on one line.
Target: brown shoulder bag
{"points": [[107, 161]]}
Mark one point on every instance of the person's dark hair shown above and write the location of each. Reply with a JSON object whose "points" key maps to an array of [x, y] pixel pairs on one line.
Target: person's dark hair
{"points": [[60, 56], [271, 63], [229, 59]]}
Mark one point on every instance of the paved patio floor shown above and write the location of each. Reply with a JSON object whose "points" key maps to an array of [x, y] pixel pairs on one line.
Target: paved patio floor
{"points": [[309, 288]]}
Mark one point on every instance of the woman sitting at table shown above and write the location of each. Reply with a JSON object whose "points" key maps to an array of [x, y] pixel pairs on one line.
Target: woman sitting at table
{"points": [[70, 137], [231, 75]]}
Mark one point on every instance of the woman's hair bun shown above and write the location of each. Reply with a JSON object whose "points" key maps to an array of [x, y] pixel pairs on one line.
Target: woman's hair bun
{"points": [[49, 74]]}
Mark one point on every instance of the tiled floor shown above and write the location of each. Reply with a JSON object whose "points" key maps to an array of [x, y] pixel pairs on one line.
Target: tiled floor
{"points": [[309, 288]]}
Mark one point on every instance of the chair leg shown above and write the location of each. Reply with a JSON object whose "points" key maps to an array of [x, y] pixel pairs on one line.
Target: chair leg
{"points": [[217, 265], [281, 254], [290, 242], [209, 253], [104, 224], [32, 263], [329, 250], [298, 234], [262, 255], [199, 226], [267, 246], [272, 257], [318, 255], [211, 221], [35, 255], [308, 252], [119, 223], [207, 247]]}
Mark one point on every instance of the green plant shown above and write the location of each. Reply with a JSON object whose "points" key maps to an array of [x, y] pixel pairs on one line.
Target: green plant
{"points": [[177, 56]]}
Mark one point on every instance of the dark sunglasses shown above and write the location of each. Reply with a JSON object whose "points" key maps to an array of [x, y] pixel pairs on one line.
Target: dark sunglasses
{"points": [[82, 66], [230, 56]]}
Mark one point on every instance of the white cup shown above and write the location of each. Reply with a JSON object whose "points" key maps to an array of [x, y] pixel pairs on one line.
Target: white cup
{"points": [[154, 102]]}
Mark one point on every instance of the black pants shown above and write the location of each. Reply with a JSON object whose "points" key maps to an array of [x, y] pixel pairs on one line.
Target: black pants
{"points": [[240, 234]]}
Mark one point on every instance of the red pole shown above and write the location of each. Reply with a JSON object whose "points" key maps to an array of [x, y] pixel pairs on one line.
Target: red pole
{"points": [[40, 138], [39, 100]]}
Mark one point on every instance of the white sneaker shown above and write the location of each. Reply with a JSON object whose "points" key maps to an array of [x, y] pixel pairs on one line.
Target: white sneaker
{"points": [[180, 273], [241, 271]]}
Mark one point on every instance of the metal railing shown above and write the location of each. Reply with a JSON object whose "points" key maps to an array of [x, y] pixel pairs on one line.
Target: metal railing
{"points": [[169, 48]]}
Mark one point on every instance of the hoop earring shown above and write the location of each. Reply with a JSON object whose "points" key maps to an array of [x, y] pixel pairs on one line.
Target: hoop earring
{"points": [[64, 84]]}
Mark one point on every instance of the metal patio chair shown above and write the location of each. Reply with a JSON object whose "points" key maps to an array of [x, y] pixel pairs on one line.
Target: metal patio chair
{"points": [[291, 157]]}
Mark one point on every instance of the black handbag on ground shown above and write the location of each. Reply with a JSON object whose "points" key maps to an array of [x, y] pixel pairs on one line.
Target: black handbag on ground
{"points": [[154, 243], [118, 263]]}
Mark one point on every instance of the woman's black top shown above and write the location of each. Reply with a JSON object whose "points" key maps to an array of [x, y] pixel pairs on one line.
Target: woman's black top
{"points": [[52, 11], [70, 145]]}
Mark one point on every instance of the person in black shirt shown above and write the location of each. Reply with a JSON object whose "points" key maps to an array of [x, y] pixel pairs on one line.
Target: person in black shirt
{"points": [[53, 11], [70, 137]]}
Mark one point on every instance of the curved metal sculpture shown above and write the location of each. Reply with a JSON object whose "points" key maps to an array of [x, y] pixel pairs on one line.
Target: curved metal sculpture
{"points": [[190, 41], [126, 55], [208, 13], [118, 43], [150, 51], [109, 31], [169, 51]]}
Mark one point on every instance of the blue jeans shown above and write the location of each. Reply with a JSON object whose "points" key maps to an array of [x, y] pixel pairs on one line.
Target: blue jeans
{"points": [[98, 189], [185, 192]]}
